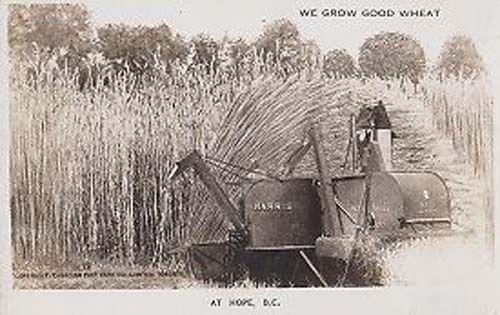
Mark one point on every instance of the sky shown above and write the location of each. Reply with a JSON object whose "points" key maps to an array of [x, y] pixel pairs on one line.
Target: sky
{"points": [[246, 19]]}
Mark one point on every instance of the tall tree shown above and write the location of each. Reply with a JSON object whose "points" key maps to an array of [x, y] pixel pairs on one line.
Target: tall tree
{"points": [[310, 55], [459, 58], [50, 26], [337, 63], [51, 37], [232, 54], [281, 41], [140, 48], [204, 50], [392, 55]]}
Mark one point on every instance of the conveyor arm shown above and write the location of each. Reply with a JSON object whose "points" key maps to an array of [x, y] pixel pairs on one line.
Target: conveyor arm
{"points": [[195, 161]]}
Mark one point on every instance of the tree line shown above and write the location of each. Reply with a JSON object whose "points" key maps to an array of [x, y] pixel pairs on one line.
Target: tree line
{"points": [[64, 32]]}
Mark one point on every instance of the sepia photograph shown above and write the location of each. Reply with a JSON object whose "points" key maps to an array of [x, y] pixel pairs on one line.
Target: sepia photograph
{"points": [[161, 148]]}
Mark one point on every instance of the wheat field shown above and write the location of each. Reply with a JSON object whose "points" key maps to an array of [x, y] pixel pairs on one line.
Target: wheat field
{"points": [[89, 167]]}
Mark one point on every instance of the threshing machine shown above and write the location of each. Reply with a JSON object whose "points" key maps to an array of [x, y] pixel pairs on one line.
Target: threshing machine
{"points": [[304, 231]]}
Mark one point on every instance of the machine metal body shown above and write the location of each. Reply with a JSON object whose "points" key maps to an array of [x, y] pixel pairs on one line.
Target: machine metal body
{"points": [[282, 214], [314, 222]]}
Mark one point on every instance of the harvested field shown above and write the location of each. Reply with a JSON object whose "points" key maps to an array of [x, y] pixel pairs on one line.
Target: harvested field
{"points": [[466, 255]]}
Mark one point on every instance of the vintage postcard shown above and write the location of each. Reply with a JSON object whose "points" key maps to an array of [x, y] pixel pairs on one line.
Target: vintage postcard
{"points": [[249, 157]]}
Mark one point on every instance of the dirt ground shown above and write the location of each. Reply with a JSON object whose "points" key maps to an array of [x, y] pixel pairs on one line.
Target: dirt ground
{"points": [[107, 283]]}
